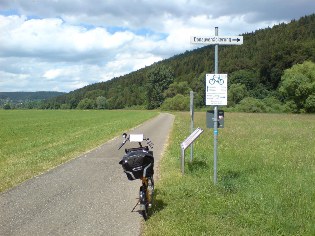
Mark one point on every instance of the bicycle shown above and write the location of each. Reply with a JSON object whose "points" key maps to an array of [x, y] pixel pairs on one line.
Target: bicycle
{"points": [[212, 81], [138, 163]]}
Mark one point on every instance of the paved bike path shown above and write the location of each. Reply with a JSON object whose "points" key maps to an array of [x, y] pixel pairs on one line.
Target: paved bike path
{"points": [[89, 195]]}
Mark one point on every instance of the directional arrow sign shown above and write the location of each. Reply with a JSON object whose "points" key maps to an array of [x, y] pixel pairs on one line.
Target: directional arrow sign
{"points": [[221, 40]]}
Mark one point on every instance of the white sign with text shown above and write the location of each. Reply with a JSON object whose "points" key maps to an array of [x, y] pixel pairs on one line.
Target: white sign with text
{"points": [[220, 40], [216, 89]]}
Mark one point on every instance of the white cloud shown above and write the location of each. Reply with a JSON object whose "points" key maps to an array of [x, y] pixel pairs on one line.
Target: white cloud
{"points": [[13, 81], [68, 44], [52, 74]]}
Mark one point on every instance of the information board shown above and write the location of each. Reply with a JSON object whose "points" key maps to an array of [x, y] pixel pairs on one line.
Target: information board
{"points": [[216, 89], [191, 138]]}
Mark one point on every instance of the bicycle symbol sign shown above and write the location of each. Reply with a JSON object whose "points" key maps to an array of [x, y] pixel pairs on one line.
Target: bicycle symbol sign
{"points": [[216, 78], [216, 89]]}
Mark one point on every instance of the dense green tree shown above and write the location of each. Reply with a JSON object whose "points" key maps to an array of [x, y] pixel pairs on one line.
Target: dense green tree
{"points": [[198, 85], [250, 104], [177, 88], [7, 106], [298, 86], [236, 93], [111, 103], [177, 103], [65, 106], [93, 94], [273, 104], [116, 102], [310, 104], [86, 103], [248, 78], [101, 102], [73, 103], [159, 79]]}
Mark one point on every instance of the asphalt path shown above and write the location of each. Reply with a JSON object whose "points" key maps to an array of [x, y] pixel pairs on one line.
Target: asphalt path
{"points": [[89, 195]]}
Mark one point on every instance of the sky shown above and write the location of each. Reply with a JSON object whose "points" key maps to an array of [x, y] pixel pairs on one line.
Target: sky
{"points": [[63, 45]]}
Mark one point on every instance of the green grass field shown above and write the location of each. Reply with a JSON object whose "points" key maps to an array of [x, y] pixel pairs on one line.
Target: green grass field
{"points": [[266, 178], [33, 141], [266, 167]]}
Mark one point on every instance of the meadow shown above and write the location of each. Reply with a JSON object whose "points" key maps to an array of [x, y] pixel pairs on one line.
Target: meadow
{"points": [[266, 167], [34, 141], [266, 178]]}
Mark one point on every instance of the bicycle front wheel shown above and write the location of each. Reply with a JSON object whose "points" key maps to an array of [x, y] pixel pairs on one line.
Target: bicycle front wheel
{"points": [[143, 202]]}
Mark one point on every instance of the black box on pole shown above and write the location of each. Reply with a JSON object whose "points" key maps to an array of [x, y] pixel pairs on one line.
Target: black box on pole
{"points": [[210, 119]]}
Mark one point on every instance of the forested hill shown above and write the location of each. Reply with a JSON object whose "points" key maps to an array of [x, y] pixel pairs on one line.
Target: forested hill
{"points": [[23, 96], [255, 70], [11, 100]]}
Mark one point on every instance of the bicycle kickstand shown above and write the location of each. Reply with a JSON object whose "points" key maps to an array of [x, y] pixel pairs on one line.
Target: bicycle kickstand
{"points": [[135, 205]]}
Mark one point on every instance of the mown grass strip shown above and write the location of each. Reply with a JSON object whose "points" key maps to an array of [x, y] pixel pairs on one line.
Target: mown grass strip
{"points": [[266, 173], [33, 141]]}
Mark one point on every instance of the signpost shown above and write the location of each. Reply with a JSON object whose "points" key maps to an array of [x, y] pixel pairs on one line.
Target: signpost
{"points": [[216, 84], [191, 123], [186, 143]]}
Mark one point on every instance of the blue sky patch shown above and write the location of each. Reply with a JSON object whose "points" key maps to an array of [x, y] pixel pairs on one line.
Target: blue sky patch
{"points": [[9, 12], [141, 31]]}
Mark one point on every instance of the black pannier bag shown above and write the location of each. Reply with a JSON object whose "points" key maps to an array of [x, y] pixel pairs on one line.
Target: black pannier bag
{"points": [[138, 163]]}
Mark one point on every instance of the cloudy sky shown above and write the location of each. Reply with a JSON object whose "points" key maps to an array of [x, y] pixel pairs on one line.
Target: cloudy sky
{"points": [[62, 45]]}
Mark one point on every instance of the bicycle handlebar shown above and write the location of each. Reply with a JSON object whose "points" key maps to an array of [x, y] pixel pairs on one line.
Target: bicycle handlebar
{"points": [[123, 143], [149, 142], [127, 138]]}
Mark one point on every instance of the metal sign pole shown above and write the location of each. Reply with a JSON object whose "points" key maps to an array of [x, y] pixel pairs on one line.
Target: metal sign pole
{"points": [[192, 123], [182, 160], [215, 131]]}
